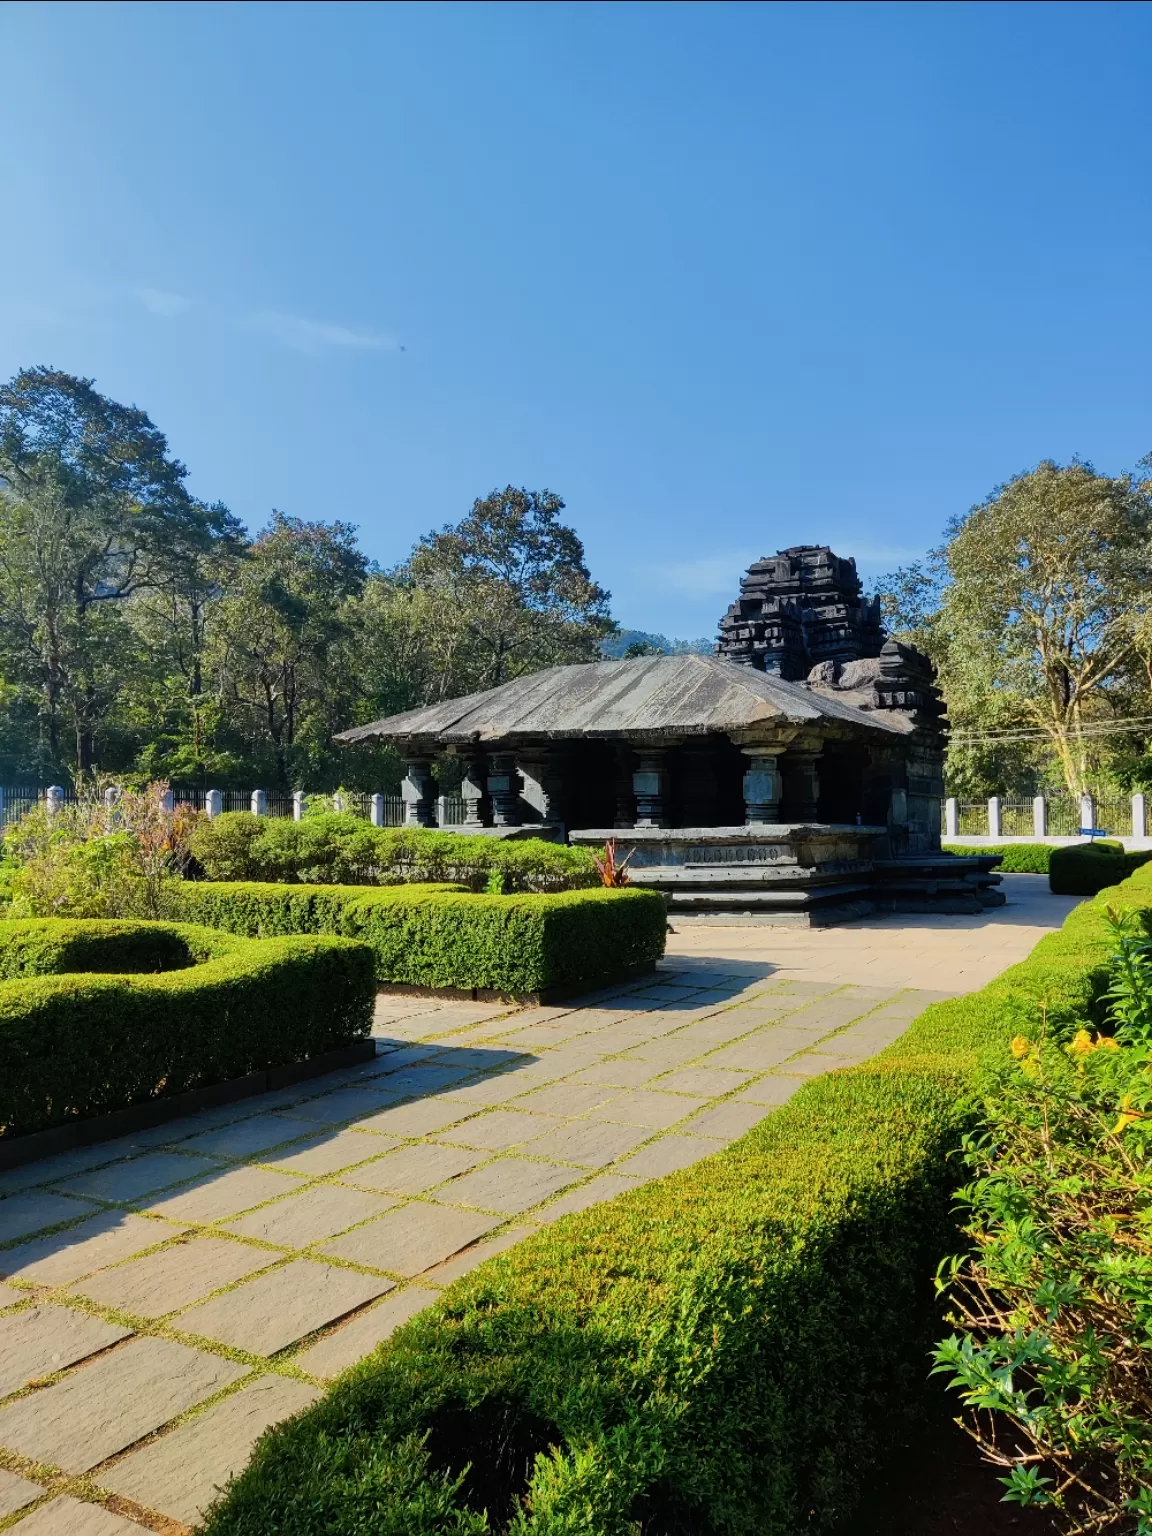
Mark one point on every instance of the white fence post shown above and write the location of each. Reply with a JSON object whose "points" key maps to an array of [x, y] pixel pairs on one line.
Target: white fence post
{"points": [[1087, 812], [377, 810], [54, 799], [299, 804], [1039, 817], [213, 803], [259, 803], [111, 795], [1139, 816], [951, 818], [167, 801], [995, 821], [338, 803]]}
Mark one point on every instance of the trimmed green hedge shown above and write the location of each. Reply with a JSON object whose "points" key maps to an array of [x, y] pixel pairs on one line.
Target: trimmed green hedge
{"points": [[441, 936], [1015, 858], [80, 1036], [1082, 869], [342, 849], [726, 1350]]}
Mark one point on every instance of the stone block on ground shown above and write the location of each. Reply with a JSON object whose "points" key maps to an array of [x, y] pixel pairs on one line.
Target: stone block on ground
{"points": [[702, 1082], [136, 1176], [247, 1137], [413, 1169], [16, 1492], [606, 1187], [359, 1337], [42, 1340], [668, 1155], [313, 1214], [329, 1154], [175, 1277], [281, 1306], [22, 1215], [498, 1130], [65, 1256], [412, 1239], [224, 1195], [642, 1106], [588, 1143], [65, 1516], [509, 1185]]}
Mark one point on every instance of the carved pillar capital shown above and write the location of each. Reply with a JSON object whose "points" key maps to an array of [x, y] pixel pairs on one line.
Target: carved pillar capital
{"points": [[504, 788], [474, 791], [418, 791]]}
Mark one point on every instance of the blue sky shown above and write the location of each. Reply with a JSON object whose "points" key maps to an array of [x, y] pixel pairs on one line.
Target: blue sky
{"points": [[725, 277]]}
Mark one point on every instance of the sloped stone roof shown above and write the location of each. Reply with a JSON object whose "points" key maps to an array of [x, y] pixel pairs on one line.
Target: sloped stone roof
{"points": [[677, 696]]}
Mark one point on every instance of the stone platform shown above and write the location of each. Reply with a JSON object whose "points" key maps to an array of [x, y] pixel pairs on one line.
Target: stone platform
{"points": [[806, 874]]}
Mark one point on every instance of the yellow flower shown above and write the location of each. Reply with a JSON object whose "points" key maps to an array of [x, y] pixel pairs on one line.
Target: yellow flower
{"points": [[1128, 1115], [1081, 1043], [1021, 1047], [1106, 1043]]}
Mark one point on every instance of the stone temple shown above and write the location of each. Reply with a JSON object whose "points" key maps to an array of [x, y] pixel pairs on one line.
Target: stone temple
{"points": [[794, 776]]}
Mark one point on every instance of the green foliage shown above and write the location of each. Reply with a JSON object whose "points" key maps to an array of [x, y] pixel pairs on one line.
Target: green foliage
{"points": [[80, 1035], [437, 936], [346, 850], [1055, 1296], [1082, 869], [1015, 858], [724, 1350]]}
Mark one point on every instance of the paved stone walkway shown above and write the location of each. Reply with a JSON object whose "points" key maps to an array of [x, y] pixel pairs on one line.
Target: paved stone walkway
{"points": [[164, 1300]]}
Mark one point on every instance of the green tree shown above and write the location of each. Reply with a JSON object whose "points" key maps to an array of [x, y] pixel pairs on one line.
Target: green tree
{"points": [[1036, 612]]}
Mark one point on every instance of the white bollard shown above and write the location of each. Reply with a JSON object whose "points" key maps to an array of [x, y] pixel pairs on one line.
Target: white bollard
{"points": [[1087, 813], [259, 803], [339, 802], [54, 799], [995, 820], [1039, 817], [377, 810], [951, 818], [299, 805], [213, 803], [1139, 816]]}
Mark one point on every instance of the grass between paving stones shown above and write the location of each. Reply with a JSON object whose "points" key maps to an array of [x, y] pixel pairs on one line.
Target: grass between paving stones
{"points": [[727, 1349], [283, 1363]]}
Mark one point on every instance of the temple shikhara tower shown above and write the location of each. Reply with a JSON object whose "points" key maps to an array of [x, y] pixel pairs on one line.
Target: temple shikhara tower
{"points": [[794, 776]]}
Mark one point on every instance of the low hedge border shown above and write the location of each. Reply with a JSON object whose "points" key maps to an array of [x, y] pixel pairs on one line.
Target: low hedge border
{"points": [[1015, 858], [726, 1350], [342, 849], [81, 1036], [444, 938], [1082, 869]]}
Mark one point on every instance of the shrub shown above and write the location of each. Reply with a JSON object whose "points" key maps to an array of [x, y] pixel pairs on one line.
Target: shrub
{"points": [[441, 936], [1083, 869], [80, 1036], [1055, 1298], [345, 850], [1015, 858], [89, 859], [727, 1349]]}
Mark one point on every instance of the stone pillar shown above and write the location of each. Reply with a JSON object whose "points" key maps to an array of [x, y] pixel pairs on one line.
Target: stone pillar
{"points": [[995, 820], [761, 785], [951, 817], [259, 803], [339, 802], [1139, 817], [1039, 816], [801, 783], [474, 793], [213, 804], [625, 795], [650, 786], [377, 810], [418, 791], [299, 804], [542, 785], [504, 788], [111, 796], [1087, 813]]}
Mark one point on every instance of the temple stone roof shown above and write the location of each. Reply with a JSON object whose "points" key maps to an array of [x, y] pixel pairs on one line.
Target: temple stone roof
{"points": [[686, 695]]}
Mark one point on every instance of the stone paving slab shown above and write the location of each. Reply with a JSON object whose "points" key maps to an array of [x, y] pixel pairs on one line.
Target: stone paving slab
{"points": [[43, 1340], [499, 1129], [725, 1122], [22, 1215], [175, 1277], [702, 1082], [136, 1176], [345, 1105], [248, 1136], [471, 1258], [104, 1407], [410, 1240], [645, 1107], [353, 1340], [180, 1474], [617, 1073], [331, 1153], [279, 1307], [588, 1143], [227, 1194], [419, 1119], [65, 1256], [16, 1492], [413, 1169], [671, 1153], [9, 1295], [65, 1516], [606, 1187], [309, 1215], [510, 1185]]}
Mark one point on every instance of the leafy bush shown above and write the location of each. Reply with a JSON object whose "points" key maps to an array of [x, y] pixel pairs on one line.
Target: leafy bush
{"points": [[1083, 869], [725, 1350], [441, 936], [89, 859], [344, 849], [1055, 1299], [1015, 858], [78, 1037]]}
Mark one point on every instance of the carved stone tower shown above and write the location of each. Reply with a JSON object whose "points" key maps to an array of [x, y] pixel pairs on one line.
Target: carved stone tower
{"points": [[798, 608]]}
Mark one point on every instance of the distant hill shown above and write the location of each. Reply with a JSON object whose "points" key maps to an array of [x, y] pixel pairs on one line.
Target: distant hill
{"points": [[616, 645]]}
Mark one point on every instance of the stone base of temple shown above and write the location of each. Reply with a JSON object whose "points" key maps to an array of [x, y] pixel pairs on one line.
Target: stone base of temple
{"points": [[796, 874]]}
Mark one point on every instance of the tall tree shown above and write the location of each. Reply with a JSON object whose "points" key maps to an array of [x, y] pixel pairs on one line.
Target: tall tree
{"points": [[1044, 593], [93, 511]]}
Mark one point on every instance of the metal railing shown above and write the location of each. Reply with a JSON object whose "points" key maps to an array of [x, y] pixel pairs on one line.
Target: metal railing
{"points": [[1110, 815], [382, 810]]}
